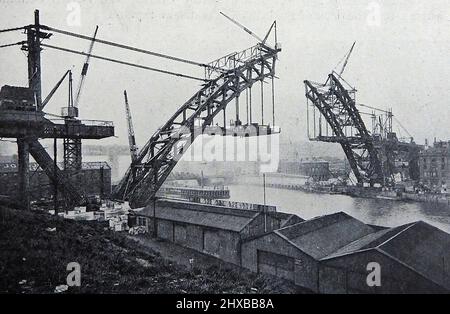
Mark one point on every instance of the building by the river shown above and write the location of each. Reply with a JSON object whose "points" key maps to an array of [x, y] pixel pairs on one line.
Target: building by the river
{"points": [[434, 167], [317, 169]]}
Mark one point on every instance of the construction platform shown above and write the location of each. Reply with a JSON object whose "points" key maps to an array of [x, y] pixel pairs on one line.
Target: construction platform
{"points": [[14, 124]]}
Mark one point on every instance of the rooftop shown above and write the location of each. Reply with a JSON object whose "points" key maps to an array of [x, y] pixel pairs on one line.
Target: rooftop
{"points": [[225, 221], [220, 217], [323, 235], [418, 245]]}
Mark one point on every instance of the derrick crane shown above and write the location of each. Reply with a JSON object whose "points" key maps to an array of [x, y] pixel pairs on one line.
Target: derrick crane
{"points": [[84, 70], [131, 137], [346, 59], [72, 146]]}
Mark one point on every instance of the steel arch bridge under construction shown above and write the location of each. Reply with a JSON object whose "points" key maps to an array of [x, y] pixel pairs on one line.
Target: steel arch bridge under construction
{"points": [[372, 155], [160, 154]]}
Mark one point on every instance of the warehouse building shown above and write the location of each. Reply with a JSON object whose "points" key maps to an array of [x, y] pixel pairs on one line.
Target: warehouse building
{"points": [[93, 179], [213, 230], [413, 258], [294, 252], [326, 254]]}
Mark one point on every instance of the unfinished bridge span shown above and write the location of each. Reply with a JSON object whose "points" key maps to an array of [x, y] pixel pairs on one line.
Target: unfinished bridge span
{"points": [[226, 79]]}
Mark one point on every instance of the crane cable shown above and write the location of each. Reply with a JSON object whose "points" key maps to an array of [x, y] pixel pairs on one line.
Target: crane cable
{"points": [[12, 29], [14, 44], [124, 62], [402, 127], [106, 42]]}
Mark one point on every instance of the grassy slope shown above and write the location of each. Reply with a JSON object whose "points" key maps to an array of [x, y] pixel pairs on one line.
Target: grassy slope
{"points": [[110, 263]]}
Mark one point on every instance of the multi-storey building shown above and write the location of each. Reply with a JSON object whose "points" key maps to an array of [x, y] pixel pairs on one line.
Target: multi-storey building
{"points": [[434, 166]]}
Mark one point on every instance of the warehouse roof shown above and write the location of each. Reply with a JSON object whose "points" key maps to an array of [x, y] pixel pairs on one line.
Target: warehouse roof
{"points": [[286, 219], [321, 236], [418, 245], [225, 221]]}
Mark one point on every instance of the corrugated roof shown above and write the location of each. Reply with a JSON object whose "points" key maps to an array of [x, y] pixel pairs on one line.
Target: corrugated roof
{"points": [[286, 219], [224, 221], [424, 248], [418, 245], [324, 235], [213, 220], [369, 241]]}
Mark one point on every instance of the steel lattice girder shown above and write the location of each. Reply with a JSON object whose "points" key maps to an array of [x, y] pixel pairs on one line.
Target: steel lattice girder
{"points": [[54, 173], [359, 149], [157, 158]]}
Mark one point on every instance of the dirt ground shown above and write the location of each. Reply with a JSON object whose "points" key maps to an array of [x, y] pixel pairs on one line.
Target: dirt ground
{"points": [[35, 249]]}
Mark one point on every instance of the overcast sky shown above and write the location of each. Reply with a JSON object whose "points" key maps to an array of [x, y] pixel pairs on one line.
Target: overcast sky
{"points": [[401, 59]]}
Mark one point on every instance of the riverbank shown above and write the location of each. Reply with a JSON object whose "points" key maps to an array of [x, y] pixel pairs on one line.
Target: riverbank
{"points": [[374, 211], [299, 183], [35, 249]]}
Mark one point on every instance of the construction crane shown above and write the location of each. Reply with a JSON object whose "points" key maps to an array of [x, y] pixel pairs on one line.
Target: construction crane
{"points": [[131, 137], [262, 41], [84, 71], [346, 59], [72, 147]]}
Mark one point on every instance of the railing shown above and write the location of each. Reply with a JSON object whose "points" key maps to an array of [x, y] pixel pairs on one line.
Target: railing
{"points": [[85, 122], [231, 61], [192, 192], [243, 205]]}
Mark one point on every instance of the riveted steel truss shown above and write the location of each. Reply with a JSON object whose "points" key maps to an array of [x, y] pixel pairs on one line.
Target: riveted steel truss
{"points": [[336, 104], [160, 154]]}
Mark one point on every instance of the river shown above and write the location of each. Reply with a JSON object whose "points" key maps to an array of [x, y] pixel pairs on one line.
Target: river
{"points": [[372, 211], [307, 205]]}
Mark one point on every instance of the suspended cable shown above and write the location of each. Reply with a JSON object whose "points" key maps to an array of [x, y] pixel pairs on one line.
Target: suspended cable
{"points": [[374, 108], [110, 43], [273, 102], [53, 115], [14, 44], [11, 29], [402, 127], [124, 62]]}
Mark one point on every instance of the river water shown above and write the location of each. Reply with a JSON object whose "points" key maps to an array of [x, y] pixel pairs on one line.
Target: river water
{"points": [[372, 211], [307, 205]]}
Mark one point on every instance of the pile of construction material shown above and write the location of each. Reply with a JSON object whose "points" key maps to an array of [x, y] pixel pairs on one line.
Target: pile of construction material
{"points": [[116, 213]]}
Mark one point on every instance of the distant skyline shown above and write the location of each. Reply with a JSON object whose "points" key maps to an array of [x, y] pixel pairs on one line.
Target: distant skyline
{"points": [[401, 58]]}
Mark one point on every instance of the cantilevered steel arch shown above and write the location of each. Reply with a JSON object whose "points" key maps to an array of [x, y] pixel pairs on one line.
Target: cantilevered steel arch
{"points": [[160, 154]]}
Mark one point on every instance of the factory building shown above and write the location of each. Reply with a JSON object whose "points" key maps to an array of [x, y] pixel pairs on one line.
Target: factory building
{"points": [[93, 179], [213, 230], [434, 166]]}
